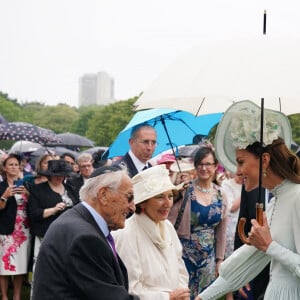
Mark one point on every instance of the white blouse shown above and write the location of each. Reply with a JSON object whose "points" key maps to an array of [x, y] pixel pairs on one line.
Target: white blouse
{"points": [[284, 252]]}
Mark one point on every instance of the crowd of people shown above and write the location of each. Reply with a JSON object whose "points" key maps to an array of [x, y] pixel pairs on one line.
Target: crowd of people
{"points": [[135, 228]]}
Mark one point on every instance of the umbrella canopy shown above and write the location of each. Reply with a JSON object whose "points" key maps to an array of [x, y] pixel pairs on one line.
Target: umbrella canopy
{"points": [[174, 128], [34, 156], [95, 149], [211, 77], [21, 131], [188, 151], [24, 146], [73, 140], [57, 150]]}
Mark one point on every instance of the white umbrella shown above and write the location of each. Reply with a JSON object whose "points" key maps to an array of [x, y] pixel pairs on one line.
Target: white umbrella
{"points": [[210, 77], [24, 146]]}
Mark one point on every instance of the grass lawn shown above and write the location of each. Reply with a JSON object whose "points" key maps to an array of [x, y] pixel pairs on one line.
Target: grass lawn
{"points": [[25, 293]]}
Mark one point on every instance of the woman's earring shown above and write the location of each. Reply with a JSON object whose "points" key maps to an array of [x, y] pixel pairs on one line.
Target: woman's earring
{"points": [[264, 173]]}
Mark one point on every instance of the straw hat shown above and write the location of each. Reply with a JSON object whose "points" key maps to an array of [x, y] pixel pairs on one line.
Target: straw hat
{"points": [[151, 182]]}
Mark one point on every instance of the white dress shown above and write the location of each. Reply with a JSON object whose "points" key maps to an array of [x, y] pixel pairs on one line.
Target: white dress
{"points": [[233, 191], [284, 252], [15, 247], [152, 254]]}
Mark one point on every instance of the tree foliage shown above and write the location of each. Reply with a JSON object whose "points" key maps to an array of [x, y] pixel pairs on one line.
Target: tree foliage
{"points": [[295, 124], [101, 124], [106, 123], [9, 109]]}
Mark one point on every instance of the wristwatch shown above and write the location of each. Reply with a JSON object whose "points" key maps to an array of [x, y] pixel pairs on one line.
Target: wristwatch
{"points": [[3, 199]]}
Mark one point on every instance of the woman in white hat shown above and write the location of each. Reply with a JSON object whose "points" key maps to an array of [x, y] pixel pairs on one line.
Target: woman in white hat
{"points": [[149, 245]]}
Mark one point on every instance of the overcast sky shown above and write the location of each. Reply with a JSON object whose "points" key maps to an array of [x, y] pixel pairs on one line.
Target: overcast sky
{"points": [[47, 45]]}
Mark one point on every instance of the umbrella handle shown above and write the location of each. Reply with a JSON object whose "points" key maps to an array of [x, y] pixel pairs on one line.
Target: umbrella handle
{"points": [[242, 221]]}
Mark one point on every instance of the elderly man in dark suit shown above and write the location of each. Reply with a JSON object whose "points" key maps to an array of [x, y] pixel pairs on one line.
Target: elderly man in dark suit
{"points": [[77, 258], [142, 145]]}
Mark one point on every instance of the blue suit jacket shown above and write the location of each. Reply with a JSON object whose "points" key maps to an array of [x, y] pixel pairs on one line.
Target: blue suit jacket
{"points": [[76, 262]]}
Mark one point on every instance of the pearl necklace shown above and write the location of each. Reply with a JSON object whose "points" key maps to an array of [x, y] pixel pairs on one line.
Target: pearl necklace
{"points": [[203, 190]]}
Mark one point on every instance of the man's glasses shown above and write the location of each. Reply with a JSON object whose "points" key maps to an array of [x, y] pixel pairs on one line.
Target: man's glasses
{"points": [[130, 197], [206, 165], [152, 143]]}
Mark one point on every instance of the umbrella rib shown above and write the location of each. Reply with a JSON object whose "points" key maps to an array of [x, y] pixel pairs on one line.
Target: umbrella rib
{"points": [[168, 136]]}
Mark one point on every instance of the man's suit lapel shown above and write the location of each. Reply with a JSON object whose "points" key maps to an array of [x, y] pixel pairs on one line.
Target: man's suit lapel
{"points": [[130, 165], [120, 268]]}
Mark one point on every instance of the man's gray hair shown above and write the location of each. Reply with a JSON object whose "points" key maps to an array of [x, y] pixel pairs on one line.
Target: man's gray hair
{"points": [[109, 179], [84, 157]]}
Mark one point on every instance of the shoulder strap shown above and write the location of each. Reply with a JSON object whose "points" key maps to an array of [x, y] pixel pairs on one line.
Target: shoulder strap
{"points": [[180, 214]]}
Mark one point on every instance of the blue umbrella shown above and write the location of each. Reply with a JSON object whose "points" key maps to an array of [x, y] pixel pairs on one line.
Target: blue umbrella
{"points": [[174, 128]]}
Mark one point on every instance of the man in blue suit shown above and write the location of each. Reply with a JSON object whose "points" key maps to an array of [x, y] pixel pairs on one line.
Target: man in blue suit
{"points": [[77, 258], [142, 146]]}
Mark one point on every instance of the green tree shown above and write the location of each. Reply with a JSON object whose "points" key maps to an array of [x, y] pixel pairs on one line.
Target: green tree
{"points": [[295, 124], [10, 109], [59, 118], [106, 123], [86, 114]]}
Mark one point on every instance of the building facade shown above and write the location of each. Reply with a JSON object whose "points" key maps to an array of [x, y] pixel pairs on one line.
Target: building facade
{"points": [[96, 89]]}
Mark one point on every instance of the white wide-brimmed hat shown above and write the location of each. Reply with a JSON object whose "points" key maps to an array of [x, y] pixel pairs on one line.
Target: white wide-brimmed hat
{"points": [[240, 127], [151, 182]]}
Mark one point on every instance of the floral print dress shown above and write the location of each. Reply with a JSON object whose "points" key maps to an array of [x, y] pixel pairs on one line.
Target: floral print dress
{"points": [[199, 250], [14, 248]]}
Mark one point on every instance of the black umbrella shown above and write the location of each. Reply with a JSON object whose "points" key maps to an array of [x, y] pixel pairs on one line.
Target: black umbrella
{"points": [[96, 149], [73, 140], [53, 150], [21, 131]]}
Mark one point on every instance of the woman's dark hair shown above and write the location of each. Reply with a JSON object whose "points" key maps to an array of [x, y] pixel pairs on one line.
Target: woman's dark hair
{"points": [[204, 150], [69, 155], [138, 209], [283, 162]]}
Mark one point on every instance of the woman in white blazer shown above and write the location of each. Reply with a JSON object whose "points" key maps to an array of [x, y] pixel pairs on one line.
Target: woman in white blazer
{"points": [[149, 245]]}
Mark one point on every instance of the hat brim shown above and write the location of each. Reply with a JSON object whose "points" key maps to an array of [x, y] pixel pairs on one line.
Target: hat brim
{"points": [[49, 173], [224, 141]]}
